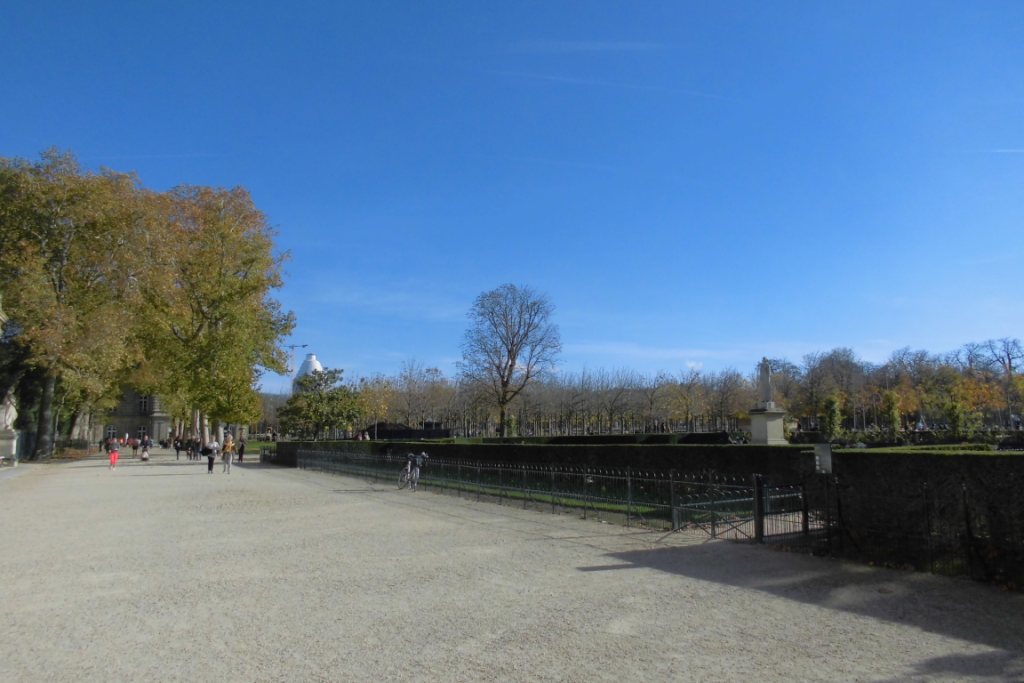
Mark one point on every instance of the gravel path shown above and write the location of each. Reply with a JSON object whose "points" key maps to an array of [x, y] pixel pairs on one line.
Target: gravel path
{"points": [[160, 572]]}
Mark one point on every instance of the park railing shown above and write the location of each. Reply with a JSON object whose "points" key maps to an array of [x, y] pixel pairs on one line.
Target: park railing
{"points": [[720, 507], [970, 526]]}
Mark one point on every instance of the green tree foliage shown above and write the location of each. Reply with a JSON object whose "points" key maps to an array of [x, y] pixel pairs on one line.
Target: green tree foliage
{"points": [[214, 324], [511, 342], [321, 402], [891, 413], [107, 283], [832, 418], [67, 237]]}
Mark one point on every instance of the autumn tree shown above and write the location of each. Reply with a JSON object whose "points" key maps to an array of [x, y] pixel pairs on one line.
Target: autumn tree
{"points": [[510, 343], [215, 325], [375, 396], [68, 239], [891, 412]]}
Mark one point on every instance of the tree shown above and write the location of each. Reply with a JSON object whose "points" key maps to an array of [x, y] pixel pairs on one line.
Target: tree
{"points": [[832, 420], [68, 238], [208, 297], [510, 343], [1006, 355], [891, 412], [320, 403], [375, 395]]}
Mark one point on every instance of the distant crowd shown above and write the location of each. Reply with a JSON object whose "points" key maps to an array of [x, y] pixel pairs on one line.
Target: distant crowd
{"points": [[193, 447]]}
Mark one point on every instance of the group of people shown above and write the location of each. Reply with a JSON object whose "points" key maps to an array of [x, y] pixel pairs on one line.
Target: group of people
{"points": [[195, 449], [227, 452], [113, 446]]}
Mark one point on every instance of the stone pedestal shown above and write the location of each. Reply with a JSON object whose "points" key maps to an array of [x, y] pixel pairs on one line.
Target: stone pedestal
{"points": [[9, 445], [766, 425]]}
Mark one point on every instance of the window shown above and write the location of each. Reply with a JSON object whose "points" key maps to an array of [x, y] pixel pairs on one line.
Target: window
{"points": [[110, 431], [143, 405]]}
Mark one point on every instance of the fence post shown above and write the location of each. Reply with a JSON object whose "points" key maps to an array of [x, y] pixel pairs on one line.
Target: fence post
{"points": [[927, 523], [586, 490], [478, 483], [839, 516], [805, 513], [758, 508], [552, 489], [629, 493], [522, 468], [672, 499], [501, 485], [968, 535]]}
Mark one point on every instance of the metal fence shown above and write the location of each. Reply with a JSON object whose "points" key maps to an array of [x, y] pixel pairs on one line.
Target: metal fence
{"points": [[701, 503], [972, 527]]}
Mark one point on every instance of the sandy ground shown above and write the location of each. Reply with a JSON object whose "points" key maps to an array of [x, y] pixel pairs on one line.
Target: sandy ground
{"points": [[160, 572]]}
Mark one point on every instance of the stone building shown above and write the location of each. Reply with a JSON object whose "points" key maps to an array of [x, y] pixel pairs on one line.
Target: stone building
{"points": [[137, 416]]}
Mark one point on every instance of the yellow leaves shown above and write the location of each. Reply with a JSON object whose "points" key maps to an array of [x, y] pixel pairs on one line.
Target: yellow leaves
{"points": [[107, 276]]}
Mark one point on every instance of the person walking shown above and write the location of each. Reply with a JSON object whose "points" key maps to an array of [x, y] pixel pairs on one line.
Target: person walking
{"points": [[211, 451], [241, 449], [177, 449], [416, 461], [112, 450], [227, 453]]}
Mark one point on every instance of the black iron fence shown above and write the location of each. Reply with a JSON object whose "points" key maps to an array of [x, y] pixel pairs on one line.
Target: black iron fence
{"points": [[969, 525], [720, 507]]}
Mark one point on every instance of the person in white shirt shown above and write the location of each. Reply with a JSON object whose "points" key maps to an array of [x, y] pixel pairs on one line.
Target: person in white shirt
{"points": [[213, 449]]}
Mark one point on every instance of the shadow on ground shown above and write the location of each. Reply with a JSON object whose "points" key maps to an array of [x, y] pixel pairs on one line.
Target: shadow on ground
{"points": [[957, 608]]}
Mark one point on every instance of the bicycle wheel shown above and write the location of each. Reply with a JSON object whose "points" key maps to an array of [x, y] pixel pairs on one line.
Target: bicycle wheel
{"points": [[403, 479]]}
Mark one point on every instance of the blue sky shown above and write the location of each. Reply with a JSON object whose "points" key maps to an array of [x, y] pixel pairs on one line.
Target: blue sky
{"points": [[692, 184]]}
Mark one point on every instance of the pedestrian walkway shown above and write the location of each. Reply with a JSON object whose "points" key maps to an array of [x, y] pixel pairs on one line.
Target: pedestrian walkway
{"points": [[160, 572]]}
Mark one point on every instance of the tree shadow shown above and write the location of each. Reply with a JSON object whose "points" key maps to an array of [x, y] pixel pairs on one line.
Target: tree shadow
{"points": [[999, 666], [957, 608]]}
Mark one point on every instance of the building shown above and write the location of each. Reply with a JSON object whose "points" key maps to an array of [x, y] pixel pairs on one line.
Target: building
{"points": [[137, 416], [310, 365]]}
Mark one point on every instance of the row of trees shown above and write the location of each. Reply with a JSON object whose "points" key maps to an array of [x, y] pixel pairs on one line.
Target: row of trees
{"points": [[107, 283], [975, 387]]}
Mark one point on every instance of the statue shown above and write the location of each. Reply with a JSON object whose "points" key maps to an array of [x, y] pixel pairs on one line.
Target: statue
{"points": [[764, 382], [766, 420], [8, 413]]}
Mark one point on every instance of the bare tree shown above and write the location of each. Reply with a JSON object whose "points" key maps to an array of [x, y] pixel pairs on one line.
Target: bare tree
{"points": [[510, 343], [1005, 355]]}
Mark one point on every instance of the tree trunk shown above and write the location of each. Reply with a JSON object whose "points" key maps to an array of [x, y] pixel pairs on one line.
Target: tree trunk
{"points": [[44, 423], [73, 426], [501, 420]]}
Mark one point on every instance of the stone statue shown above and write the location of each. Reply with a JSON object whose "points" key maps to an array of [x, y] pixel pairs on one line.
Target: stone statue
{"points": [[764, 382], [8, 413]]}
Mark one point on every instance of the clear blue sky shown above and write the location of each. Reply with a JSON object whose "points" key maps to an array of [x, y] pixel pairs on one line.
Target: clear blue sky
{"points": [[693, 184]]}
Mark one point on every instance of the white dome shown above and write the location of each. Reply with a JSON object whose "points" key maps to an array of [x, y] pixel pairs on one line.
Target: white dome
{"points": [[311, 364]]}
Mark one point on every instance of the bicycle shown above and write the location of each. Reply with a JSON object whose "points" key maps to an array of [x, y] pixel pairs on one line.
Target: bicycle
{"points": [[403, 478]]}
